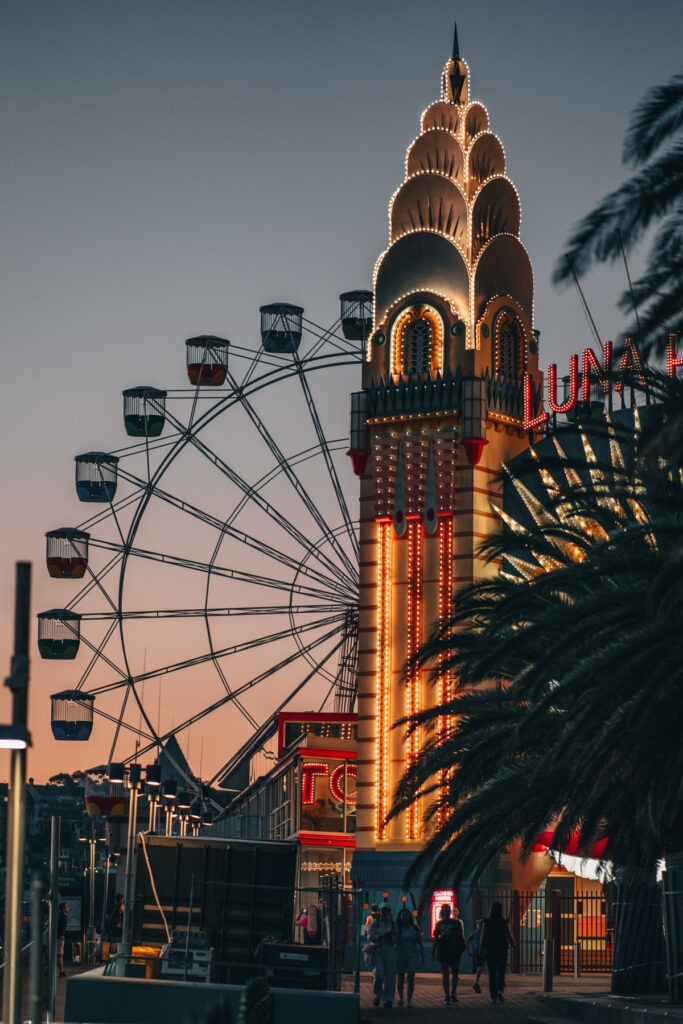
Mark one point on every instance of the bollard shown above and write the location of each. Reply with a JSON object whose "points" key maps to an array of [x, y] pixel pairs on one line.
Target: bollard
{"points": [[577, 959], [548, 956]]}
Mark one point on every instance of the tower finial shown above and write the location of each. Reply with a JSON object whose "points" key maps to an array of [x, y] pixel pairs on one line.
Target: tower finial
{"points": [[456, 48]]}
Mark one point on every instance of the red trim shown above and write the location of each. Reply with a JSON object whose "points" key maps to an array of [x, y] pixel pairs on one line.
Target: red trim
{"points": [[359, 459], [546, 841], [336, 755], [474, 446], [308, 716], [340, 839]]}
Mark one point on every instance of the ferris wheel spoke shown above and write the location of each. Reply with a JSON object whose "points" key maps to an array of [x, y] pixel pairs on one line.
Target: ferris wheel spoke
{"points": [[294, 480], [99, 655], [241, 576], [116, 720], [104, 515], [225, 529], [332, 472], [328, 336], [290, 696], [248, 685], [202, 613], [282, 522], [224, 652], [95, 581], [117, 728]]}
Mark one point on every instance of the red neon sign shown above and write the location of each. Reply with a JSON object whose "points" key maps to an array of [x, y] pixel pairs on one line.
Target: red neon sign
{"points": [[310, 770], [631, 362]]}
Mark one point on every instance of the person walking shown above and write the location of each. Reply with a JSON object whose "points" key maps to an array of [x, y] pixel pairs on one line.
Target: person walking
{"points": [[372, 916], [448, 947], [496, 939], [473, 946], [62, 918], [382, 934], [409, 953]]}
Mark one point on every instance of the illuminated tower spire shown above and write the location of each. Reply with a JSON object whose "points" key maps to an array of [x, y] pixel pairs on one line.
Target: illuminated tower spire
{"points": [[443, 405]]}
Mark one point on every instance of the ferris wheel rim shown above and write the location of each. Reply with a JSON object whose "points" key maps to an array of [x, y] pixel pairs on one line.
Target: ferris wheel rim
{"points": [[274, 372]]}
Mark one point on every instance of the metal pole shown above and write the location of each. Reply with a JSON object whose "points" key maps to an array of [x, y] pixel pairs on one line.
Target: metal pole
{"points": [[577, 959], [36, 951], [16, 824], [92, 930], [548, 956], [126, 946], [55, 823]]}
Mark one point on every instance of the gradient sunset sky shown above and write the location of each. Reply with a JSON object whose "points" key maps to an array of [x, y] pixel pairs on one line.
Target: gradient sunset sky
{"points": [[167, 167]]}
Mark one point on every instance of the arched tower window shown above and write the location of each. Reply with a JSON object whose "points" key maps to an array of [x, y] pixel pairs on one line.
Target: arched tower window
{"points": [[417, 346], [417, 341], [508, 349]]}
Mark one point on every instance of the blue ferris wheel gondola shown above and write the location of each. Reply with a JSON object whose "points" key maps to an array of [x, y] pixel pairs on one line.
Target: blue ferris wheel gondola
{"points": [[72, 715], [96, 474], [281, 326], [144, 411]]}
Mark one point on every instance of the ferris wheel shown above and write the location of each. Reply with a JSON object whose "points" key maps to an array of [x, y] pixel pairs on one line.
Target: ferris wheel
{"points": [[216, 580]]}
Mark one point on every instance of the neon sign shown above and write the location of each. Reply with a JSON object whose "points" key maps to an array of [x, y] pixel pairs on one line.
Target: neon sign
{"points": [[631, 362], [310, 770]]}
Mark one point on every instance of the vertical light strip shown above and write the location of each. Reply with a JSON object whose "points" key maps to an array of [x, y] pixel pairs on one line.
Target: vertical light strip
{"points": [[445, 684], [414, 639], [383, 687]]}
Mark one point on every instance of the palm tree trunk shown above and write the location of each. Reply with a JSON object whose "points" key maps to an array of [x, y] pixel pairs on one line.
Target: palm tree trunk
{"points": [[638, 965], [673, 925]]}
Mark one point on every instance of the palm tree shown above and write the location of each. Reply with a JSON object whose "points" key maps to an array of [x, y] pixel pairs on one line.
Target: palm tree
{"points": [[579, 633], [651, 198]]}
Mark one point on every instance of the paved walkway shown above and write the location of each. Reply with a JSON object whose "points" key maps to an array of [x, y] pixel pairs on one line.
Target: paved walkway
{"points": [[574, 998]]}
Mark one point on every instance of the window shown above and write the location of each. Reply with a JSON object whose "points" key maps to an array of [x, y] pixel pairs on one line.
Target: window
{"points": [[507, 356], [417, 347]]}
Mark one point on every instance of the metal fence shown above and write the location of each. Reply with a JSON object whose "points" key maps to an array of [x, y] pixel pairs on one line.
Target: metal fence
{"points": [[229, 933], [580, 926]]}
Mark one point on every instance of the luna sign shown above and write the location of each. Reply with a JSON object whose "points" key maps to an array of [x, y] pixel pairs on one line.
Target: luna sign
{"points": [[631, 364]]}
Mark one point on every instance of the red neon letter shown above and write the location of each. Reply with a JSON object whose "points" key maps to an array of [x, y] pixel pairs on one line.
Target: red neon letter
{"points": [[672, 360], [308, 773], [573, 386], [589, 363], [336, 779], [630, 359], [529, 422]]}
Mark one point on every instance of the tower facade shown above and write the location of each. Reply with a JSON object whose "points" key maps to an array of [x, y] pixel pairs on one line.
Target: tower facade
{"points": [[441, 409]]}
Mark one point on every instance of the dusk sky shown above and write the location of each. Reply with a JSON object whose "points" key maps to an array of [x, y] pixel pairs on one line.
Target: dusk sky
{"points": [[170, 166]]}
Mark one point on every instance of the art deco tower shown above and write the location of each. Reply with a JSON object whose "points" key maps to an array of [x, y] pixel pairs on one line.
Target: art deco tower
{"points": [[440, 411]]}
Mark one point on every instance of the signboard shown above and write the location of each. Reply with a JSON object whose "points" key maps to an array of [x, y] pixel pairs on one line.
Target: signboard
{"points": [[631, 364], [328, 792]]}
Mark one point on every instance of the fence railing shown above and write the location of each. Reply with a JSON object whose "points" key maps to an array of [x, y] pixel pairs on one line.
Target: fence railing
{"points": [[230, 933], [579, 925]]}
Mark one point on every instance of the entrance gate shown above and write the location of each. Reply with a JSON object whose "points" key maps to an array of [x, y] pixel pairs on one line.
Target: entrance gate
{"points": [[580, 926]]}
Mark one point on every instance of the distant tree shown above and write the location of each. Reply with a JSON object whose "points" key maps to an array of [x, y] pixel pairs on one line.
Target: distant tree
{"points": [[70, 781]]}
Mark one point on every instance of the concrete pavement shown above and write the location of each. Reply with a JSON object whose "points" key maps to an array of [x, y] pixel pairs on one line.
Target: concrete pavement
{"points": [[572, 999]]}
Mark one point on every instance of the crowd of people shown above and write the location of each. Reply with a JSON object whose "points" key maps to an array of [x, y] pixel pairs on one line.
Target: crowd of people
{"points": [[395, 952]]}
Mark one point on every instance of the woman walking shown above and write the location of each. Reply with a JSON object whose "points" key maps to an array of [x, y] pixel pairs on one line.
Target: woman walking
{"points": [[409, 953], [496, 937], [382, 936], [448, 947]]}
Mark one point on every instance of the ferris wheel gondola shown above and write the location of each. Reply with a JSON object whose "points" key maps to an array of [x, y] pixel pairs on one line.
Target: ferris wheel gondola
{"points": [[218, 574]]}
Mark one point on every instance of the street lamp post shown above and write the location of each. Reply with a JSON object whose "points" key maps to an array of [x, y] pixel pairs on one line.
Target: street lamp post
{"points": [[16, 738], [117, 773], [169, 793], [91, 838]]}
